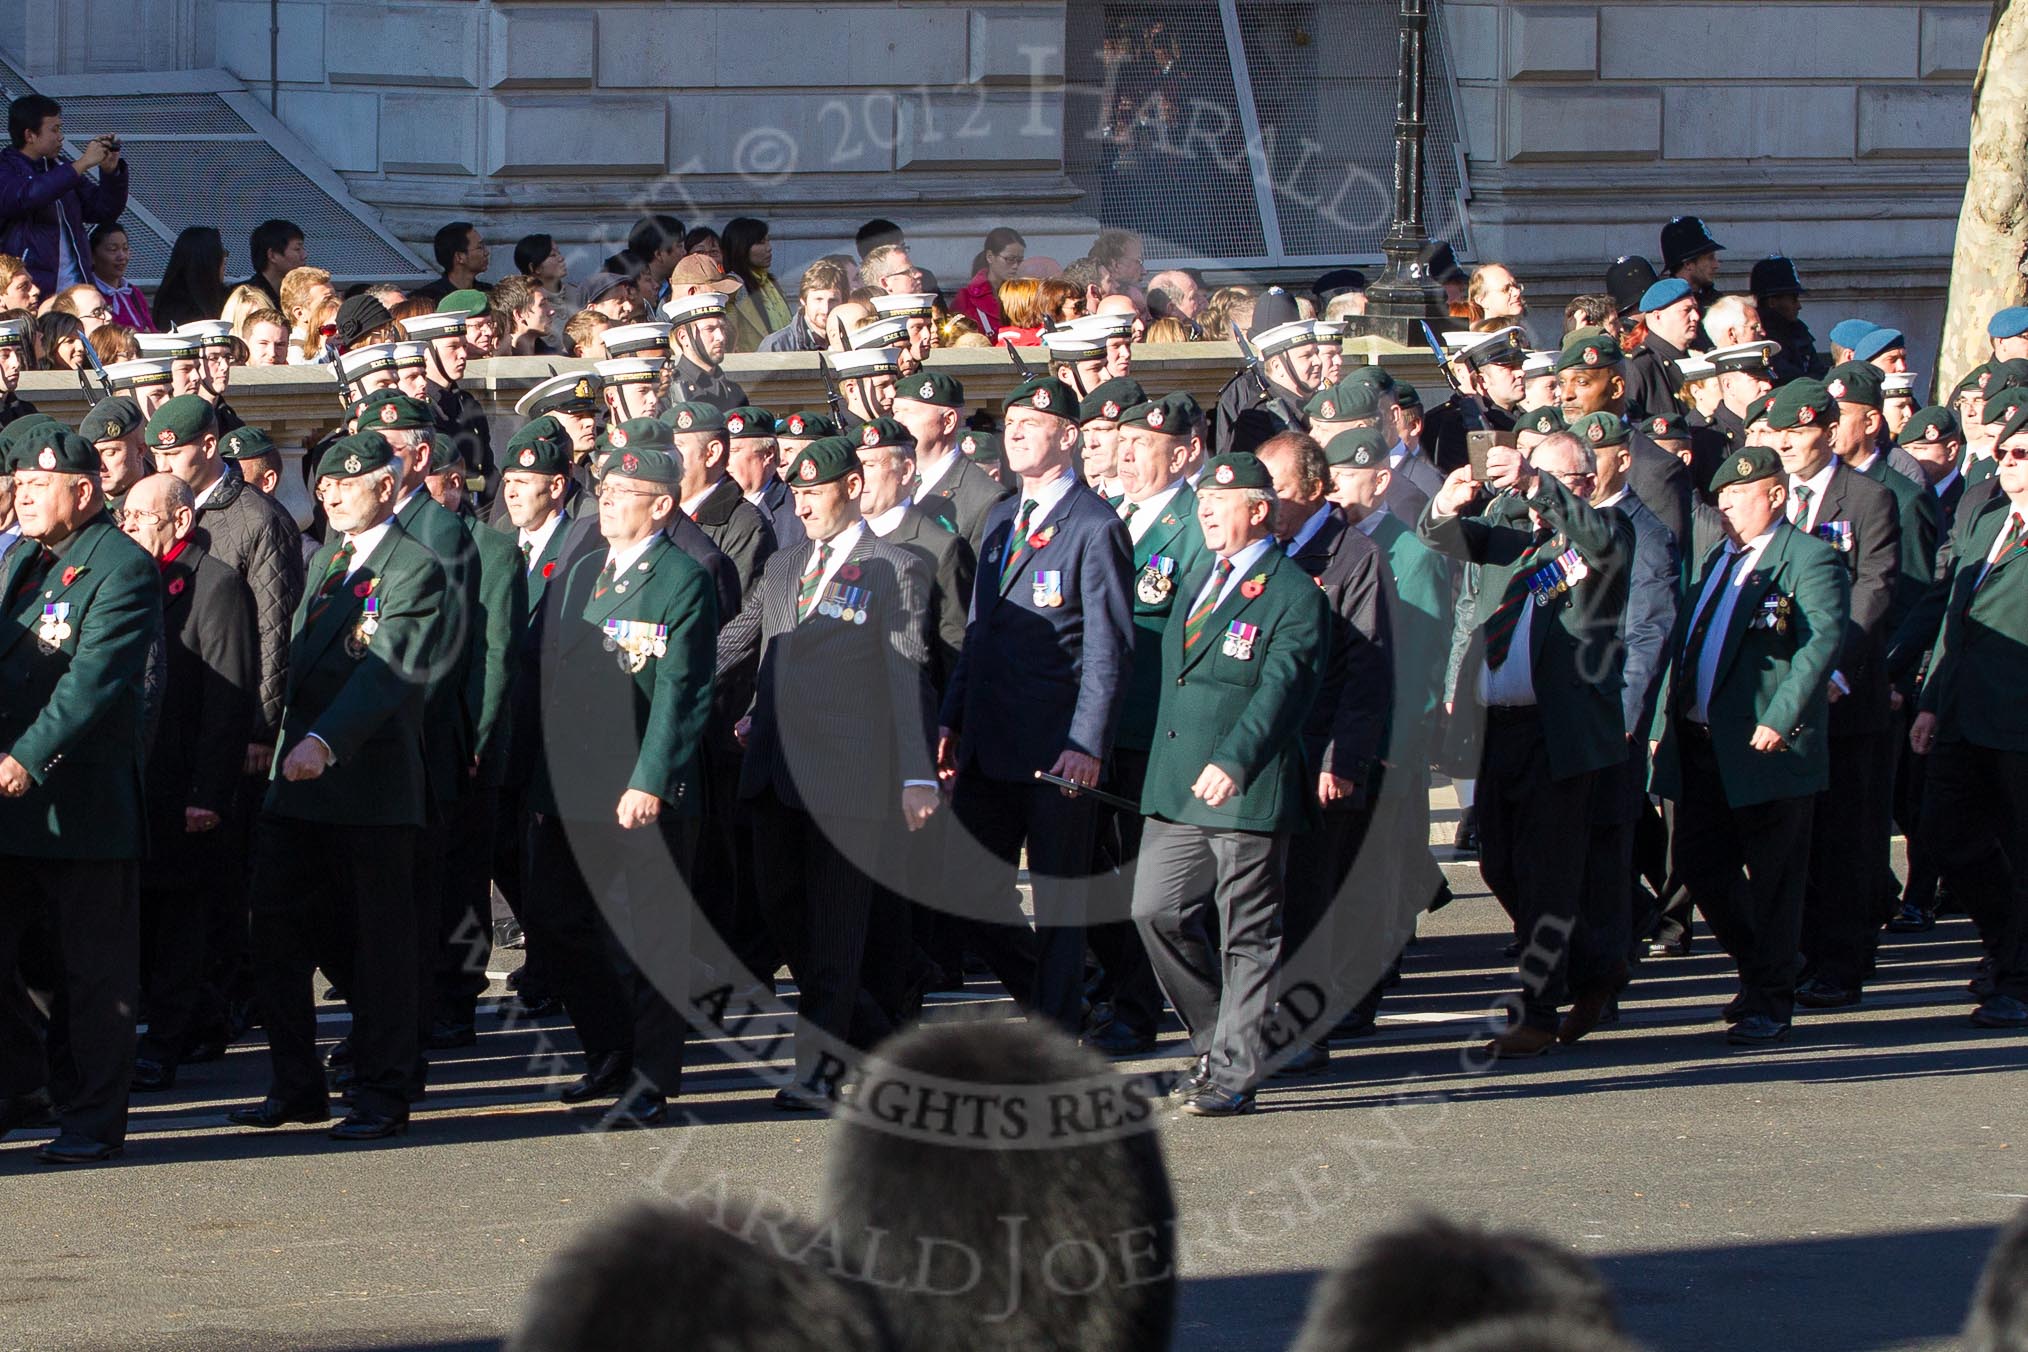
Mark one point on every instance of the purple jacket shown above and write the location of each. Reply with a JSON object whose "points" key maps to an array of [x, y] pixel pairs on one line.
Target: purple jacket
{"points": [[40, 197]]}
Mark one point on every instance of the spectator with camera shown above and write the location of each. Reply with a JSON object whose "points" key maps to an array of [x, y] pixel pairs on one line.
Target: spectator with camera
{"points": [[46, 200]]}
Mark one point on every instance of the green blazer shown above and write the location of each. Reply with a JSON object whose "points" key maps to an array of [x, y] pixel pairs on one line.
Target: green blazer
{"points": [[364, 694], [1243, 714], [1974, 685], [501, 623], [1177, 537], [450, 724], [1576, 655], [609, 728], [1765, 677], [1423, 583], [74, 715]]}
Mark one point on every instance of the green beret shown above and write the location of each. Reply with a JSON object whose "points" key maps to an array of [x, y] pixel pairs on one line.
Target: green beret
{"points": [[1044, 394], [1974, 381], [982, 446], [52, 446], [932, 387], [444, 454], [540, 447], [1930, 424], [1235, 469], [2011, 374], [2016, 424], [1376, 376], [1110, 398], [650, 464], [1542, 421], [1359, 448], [1855, 382], [808, 422], [1589, 349], [1600, 429], [694, 417], [1757, 407], [360, 453], [18, 431], [1748, 465], [1666, 427], [748, 421], [111, 419], [1350, 398], [390, 410], [463, 303], [640, 434], [1802, 403], [1405, 394], [1173, 415], [880, 432], [180, 421], [825, 460], [2001, 405], [245, 443]]}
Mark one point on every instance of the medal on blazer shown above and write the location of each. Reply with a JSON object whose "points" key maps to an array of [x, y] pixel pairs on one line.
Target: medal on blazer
{"points": [[363, 629], [54, 629], [1048, 591], [1773, 613], [844, 603], [635, 641], [1157, 580], [1837, 534], [1553, 579], [1239, 640]]}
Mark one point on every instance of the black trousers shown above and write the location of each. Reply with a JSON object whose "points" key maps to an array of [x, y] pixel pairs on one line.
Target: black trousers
{"points": [[174, 965], [464, 939], [1532, 829], [1598, 946], [1911, 777], [724, 867], [1128, 980], [349, 888], [1042, 968], [1337, 930], [513, 848], [86, 1058], [612, 909], [1747, 867], [818, 905], [1975, 815], [1848, 852]]}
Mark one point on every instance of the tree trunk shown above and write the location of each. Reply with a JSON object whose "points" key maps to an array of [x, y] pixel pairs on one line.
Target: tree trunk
{"points": [[1992, 245]]}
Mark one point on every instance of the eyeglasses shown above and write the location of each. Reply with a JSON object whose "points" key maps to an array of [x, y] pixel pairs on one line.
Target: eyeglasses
{"points": [[2005, 453], [612, 492]]}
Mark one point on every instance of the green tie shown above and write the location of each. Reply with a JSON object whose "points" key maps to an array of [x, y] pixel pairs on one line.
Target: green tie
{"points": [[334, 576], [1017, 544], [806, 597], [1193, 625], [1803, 496]]}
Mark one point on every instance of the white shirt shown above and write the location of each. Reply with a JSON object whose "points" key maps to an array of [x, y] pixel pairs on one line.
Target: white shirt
{"points": [[1612, 501], [621, 561], [1396, 454], [1310, 529], [1721, 619], [885, 522], [928, 477], [537, 540], [1045, 498], [1241, 563], [690, 505], [1148, 510], [364, 543], [1806, 522], [836, 550], [1511, 685]]}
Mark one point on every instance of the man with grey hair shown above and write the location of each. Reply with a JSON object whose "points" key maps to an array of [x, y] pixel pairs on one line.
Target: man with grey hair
{"points": [[1537, 706], [1174, 294], [1733, 320]]}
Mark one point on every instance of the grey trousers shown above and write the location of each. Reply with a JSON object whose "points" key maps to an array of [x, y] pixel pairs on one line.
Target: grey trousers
{"points": [[1222, 993]]}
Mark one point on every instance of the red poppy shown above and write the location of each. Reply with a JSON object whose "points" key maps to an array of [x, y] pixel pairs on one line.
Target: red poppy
{"points": [[176, 586], [363, 590], [549, 569], [69, 576], [849, 573], [1251, 588]]}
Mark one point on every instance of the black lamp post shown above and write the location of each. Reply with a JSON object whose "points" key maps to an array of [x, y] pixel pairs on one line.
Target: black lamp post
{"points": [[1405, 295]]}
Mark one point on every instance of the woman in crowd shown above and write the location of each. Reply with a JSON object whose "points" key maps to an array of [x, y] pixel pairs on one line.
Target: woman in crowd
{"points": [[114, 342], [1001, 260], [702, 239], [110, 255], [193, 281], [1020, 307], [60, 339], [1060, 301], [762, 308], [537, 256], [243, 301]]}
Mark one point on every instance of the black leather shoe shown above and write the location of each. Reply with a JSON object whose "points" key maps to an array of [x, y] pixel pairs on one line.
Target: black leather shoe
{"points": [[1912, 918], [446, 1034], [1210, 1102], [1466, 838], [343, 1079], [644, 1109], [1195, 1076], [151, 1076], [71, 1148], [1309, 1061], [537, 1006], [271, 1112], [1822, 993], [604, 1077], [2000, 1011], [341, 1054], [32, 1109], [1756, 1030], [1678, 947], [1735, 1009], [203, 1051], [364, 1125], [1114, 1038]]}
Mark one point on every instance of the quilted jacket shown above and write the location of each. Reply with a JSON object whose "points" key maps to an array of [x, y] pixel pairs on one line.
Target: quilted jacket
{"points": [[255, 536]]}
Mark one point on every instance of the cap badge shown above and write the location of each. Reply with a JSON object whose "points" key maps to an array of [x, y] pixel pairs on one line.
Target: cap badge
{"points": [[1330, 410], [1805, 416], [796, 425], [582, 389], [629, 463], [1545, 424], [1837, 389], [527, 456], [113, 428], [387, 413], [685, 418], [166, 437], [1041, 398], [1156, 418], [1591, 356], [1596, 432], [618, 436], [351, 464], [47, 460], [968, 445], [736, 426], [1111, 409], [1659, 426], [1742, 466], [808, 473], [927, 389], [1223, 474]]}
